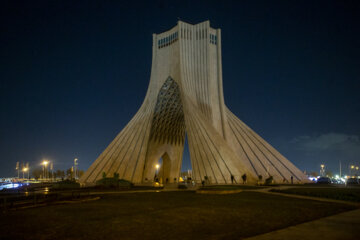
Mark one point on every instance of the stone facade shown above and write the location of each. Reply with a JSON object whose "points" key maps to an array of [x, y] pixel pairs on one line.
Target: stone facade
{"points": [[185, 96]]}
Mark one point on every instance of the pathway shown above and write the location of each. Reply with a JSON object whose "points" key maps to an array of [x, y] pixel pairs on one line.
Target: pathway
{"points": [[341, 226]]}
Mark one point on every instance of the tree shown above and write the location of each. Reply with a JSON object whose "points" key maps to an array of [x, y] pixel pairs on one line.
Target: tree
{"points": [[69, 173], [329, 173], [116, 176], [314, 174], [269, 180], [37, 173], [60, 173]]}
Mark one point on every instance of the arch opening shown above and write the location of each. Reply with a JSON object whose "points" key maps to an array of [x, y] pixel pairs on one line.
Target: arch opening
{"points": [[167, 136]]}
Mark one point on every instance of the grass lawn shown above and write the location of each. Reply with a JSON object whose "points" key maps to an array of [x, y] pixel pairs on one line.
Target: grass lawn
{"points": [[165, 215], [338, 193], [231, 187]]}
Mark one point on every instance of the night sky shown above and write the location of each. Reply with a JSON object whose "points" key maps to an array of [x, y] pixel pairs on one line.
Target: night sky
{"points": [[73, 73]]}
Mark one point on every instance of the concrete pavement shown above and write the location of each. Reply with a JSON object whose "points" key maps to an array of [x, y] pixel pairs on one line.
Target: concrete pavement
{"points": [[341, 226]]}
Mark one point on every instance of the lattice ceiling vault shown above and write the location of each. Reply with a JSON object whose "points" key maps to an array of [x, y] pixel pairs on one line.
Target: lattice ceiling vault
{"points": [[168, 124]]}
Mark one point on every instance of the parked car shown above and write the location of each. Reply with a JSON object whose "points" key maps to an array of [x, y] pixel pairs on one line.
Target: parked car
{"points": [[335, 181], [352, 181], [323, 180]]}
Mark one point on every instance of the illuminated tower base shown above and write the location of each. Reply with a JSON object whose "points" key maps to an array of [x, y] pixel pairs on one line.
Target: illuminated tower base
{"points": [[185, 96]]}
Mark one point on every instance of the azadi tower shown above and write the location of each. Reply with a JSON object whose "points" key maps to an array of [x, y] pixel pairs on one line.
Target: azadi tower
{"points": [[185, 97]]}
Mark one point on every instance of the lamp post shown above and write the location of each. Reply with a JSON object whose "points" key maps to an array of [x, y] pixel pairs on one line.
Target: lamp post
{"points": [[351, 170], [25, 169], [322, 170], [52, 170], [157, 166], [45, 163], [75, 168], [18, 168], [340, 168]]}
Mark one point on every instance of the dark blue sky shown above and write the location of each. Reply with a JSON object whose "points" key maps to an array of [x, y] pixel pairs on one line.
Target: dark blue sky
{"points": [[73, 73]]}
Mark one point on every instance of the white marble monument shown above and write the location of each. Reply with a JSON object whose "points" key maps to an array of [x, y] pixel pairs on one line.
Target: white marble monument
{"points": [[185, 97]]}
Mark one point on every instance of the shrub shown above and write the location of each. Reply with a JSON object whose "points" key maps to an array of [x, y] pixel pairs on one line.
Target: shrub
{"points": [[66, 184], [114, 182], [116, 175], [182, 186], [269, 180]]}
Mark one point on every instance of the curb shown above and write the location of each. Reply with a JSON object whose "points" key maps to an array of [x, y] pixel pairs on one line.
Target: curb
{"points": [[219, 191]]}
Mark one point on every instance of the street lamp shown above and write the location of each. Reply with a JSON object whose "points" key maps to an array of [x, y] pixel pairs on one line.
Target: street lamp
{"points": [[44, 163], [25, 170], [157, 166], [322, 170], [75, 167], [351, 170]]}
